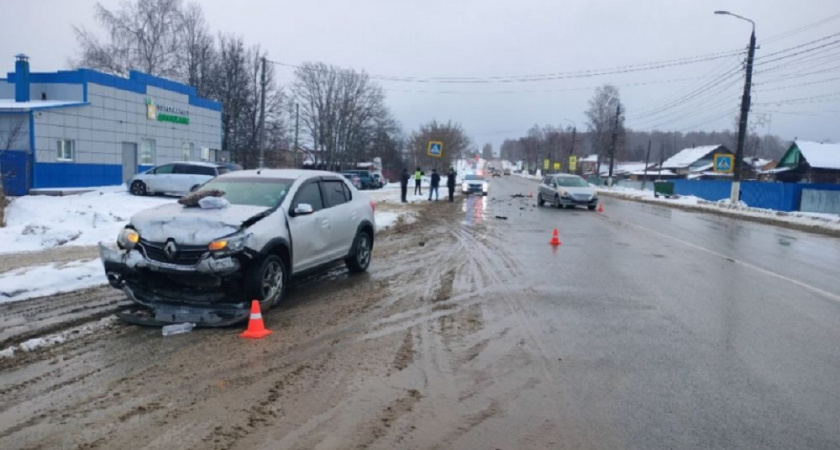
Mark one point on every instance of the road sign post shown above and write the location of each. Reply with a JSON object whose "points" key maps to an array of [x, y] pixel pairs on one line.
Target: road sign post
{"points": [[435, 149], [572, 164], [557, 167]]}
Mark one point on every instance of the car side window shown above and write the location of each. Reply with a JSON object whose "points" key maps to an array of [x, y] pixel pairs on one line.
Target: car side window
{"points": [[165, 170], [182, 169], [347, 192], [333, 191], [310, 193]]}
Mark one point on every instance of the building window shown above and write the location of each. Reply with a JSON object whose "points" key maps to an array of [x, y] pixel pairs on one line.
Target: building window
{"points": [[205, 154], [66, 149], [147, 152], [187, 151]]}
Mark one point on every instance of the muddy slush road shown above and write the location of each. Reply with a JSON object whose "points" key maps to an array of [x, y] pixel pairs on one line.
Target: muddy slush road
{"points": [[468, 332]]}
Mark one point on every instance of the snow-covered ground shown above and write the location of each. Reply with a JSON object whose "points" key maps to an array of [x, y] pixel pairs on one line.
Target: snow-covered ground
{"points": [[42, 222], [827, 222], [58, 338]]}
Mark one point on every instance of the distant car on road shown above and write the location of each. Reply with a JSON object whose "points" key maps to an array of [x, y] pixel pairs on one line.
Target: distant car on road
{"points": [[566, 190], [175, 178], [191, 264], [497, 173], [353, 178], [507, 171], [474, 184], [379, 180]]}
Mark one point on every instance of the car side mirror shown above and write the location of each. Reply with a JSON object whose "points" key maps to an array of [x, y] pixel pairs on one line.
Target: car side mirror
{"points": [[194, 188], [303, 209]]}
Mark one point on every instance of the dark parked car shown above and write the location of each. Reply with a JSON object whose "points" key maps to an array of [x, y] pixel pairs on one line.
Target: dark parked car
{"points": [[366, 179], [353, 178]]}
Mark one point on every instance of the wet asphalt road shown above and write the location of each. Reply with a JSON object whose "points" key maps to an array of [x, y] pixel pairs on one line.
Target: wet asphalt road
{"points": [[648, 328], [680, 330]]}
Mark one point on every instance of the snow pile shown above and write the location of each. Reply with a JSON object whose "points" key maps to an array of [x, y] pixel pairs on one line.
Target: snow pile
{"points": [[41, 222], [58, 338], [823, 222], [38, 281]]}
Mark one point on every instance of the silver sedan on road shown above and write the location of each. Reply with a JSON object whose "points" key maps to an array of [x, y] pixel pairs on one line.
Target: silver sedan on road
{"points": [[566, 190]]}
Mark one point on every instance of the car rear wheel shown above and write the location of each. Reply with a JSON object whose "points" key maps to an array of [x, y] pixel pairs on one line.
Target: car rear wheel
{"points": [[267, 281], [359, 260], [138, 188]]}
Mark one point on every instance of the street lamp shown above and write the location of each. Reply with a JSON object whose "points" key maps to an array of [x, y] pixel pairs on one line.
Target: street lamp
{"points": [[735, 195]]}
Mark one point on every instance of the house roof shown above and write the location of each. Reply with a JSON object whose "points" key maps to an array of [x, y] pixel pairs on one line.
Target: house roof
{"points": [[590, 158], [688, 156], [623, 167], [820, 156], [656, 172]]}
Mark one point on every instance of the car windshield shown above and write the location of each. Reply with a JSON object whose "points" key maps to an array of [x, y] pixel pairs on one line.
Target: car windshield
{"points": [[473, 177], [267, 192], [571, 182]]}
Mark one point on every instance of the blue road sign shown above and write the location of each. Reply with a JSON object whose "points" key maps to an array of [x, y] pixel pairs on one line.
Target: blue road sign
{"points": [[435, 149], [724, 163]]}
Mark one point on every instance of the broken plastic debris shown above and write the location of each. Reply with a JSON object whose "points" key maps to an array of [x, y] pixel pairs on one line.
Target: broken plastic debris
{"points": [[213, 203], [177, 328]]}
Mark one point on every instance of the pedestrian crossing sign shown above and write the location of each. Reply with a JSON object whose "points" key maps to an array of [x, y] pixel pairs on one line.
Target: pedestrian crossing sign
{"points": [[435, 149], [724, 163]]}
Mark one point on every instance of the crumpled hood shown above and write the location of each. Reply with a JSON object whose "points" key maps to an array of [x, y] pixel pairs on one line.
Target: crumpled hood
{"points": [[191, 226]]}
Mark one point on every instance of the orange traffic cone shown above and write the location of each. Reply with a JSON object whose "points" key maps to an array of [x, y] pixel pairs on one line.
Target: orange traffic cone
{"points": [[555, 239], [256, 329], [600, 207]]}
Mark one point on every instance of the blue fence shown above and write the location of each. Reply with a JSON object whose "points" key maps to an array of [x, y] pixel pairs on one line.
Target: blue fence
{"points": [[757, 194]]}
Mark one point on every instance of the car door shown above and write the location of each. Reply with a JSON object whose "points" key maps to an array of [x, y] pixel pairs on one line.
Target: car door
{"points": [[545, 188], [310, 233], [160, 179], [342, 215]]}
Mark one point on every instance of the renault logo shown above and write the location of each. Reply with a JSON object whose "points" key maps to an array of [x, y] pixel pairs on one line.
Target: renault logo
{"points": [[171, 250]]}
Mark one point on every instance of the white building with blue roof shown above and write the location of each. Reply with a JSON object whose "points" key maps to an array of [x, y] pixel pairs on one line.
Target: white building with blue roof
{"points": [[85, 128]]}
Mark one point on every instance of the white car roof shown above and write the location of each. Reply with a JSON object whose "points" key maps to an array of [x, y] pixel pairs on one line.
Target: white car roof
{"points": [[292, 174], [192, 163]]}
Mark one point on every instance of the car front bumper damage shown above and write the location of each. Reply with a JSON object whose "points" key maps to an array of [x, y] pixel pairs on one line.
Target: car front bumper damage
{"points": [[204, 293]]}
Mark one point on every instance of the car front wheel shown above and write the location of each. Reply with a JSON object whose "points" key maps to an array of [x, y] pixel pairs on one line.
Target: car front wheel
{"points": [[267, 281], [540, 200], [557, 202], [138, 188], [359, 260]]}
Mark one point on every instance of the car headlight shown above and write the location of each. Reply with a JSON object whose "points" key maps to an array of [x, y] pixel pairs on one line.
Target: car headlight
{"points": [[484, 187], [228, 245], [465, 186], [564, 194], [128, 238]]}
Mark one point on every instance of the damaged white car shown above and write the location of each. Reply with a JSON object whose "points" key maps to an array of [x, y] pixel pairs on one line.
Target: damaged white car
{"points": [[254, 232]]}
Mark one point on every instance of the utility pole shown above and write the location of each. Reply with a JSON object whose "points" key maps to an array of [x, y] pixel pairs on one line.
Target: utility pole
{"points": [[647, 159], [612, 146], [297, 117], [742, 124], [661, 159], [262, 114]]}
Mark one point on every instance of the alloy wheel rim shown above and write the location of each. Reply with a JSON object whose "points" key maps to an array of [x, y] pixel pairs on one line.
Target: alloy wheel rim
{"points": [[272, 281], [363, 255]]}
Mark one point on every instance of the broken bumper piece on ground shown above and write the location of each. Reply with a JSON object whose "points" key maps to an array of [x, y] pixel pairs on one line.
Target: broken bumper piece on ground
{"points": [[172, 293]]}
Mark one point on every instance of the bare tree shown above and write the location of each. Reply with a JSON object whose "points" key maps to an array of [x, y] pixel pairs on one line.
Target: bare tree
{"points": [[338, 109], [197, 54], [454, 138], [142, 35], [487, 151], [601, 119]]}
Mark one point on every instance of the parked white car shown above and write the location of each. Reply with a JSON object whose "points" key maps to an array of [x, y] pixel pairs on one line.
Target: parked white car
{"points": [[191, 264], [175, 178]]}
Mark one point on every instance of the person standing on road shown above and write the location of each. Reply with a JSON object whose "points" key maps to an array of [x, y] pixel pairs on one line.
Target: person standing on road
{"points": [[404, 184], [418, 178], [450, 182], [435, 185]]}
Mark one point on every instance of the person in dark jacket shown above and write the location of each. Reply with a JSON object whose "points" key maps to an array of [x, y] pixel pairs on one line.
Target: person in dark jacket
{"points": [[450, 182], [404, 184], [435, 185]]}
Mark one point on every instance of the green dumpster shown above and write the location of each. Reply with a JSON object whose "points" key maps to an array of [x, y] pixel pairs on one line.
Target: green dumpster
{"points": [[665, 188]]}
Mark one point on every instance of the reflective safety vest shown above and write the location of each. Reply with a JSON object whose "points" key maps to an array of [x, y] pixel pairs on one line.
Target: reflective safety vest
{"points": [[418, 175]]}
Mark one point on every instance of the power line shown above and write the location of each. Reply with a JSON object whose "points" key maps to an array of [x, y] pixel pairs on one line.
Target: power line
{"points": [[780, 58], [726, 76], [799, 100], [541, 77], [807, 27], [781, 88]]}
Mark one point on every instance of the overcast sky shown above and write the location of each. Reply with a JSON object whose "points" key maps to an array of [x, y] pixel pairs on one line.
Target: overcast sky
{"points": [[488, 38]]}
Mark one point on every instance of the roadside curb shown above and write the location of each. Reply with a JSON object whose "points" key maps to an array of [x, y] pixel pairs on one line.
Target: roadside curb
{"points": [[712, 208]]}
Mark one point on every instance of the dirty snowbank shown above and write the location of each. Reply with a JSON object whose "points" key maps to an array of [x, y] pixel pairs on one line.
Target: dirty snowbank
{"points": [[40, 222], [58, 338], [826, 223], [39, 281]]}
